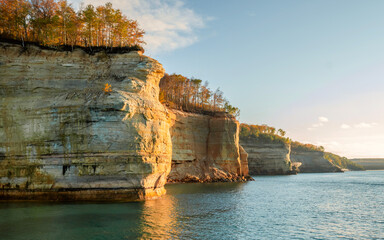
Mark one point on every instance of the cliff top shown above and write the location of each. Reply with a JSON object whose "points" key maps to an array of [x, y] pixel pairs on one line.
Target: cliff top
{"points": [[204, 113], [306, 147], [263, 134], [191, 95], [69, 48]]}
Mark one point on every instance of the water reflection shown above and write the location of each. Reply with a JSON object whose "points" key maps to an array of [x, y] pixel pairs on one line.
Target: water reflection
{"points": [[173, 215], [159, 218]]}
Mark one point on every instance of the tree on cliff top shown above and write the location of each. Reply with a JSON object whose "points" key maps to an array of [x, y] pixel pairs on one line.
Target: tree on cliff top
{"points": [[307, 146], [262, 133], [53, 23], [343, 162], [188, 94]]}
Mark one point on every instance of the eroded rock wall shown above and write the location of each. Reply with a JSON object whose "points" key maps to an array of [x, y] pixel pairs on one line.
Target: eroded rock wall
{"points": [[312, 161], [244, 161], [62, 137], [206, 148], [267, 158]]}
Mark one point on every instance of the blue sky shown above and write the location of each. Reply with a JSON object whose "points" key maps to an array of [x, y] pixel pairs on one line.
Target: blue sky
{"points": [[313, 68]]}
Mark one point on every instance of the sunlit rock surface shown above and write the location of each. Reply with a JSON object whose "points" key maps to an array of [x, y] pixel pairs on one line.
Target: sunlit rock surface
{"points": [[267, 158], [244, 161], [206, 149], [311, 161], [62, 137]]}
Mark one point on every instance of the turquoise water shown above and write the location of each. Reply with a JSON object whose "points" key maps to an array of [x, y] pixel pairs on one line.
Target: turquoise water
{"points": [[307, 206]]}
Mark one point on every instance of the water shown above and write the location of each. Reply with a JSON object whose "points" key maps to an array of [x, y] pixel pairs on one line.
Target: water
{"points": [[307, 206]]}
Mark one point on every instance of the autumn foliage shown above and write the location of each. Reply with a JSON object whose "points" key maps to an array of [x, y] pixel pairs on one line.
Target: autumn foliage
{"points": [[343, 162], [307, 147], [189, 94], [107, 88], [263, 133], [53, 23]]}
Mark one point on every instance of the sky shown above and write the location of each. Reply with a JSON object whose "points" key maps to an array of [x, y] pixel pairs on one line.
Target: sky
{"points": [[312, 68]]}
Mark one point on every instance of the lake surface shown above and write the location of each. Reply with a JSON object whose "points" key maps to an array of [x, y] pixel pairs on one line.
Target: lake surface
{"points": [[306, 206]]}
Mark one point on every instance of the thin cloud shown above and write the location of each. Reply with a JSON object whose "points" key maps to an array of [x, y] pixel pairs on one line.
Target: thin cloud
{"points": [[345, 126], [320, 123], [169, 24], [359, 125], [365, 125], [323, 119]]}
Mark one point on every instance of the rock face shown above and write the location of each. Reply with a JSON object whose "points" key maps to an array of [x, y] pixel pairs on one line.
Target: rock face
{"points": [[62, 137], [267, 158], [312, 161], [244, 161], [206, 148]]}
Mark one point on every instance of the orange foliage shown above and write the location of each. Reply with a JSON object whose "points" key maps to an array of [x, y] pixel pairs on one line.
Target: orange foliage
{"points": [[107, 88], [307, 146], [263, 133], [189, 94], [55, 22]]}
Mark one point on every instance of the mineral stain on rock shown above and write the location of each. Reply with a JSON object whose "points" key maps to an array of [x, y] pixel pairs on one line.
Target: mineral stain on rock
{"points": [[65, 168]]}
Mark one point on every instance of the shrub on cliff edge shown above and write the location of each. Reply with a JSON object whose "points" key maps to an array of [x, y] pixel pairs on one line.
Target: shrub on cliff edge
{"points": [[263, 134], [343, 162]]}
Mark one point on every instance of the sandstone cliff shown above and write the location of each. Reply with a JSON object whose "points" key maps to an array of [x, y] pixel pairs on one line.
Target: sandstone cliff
{"points": [[206, 148], [312, 161], [267, 158], [63, 138]]}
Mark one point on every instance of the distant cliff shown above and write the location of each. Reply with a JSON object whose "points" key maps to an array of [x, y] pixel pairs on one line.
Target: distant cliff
{"points": [[343, 162], [268, 152], [271, 153], [206, 148], [267, 158], [312, 161]]}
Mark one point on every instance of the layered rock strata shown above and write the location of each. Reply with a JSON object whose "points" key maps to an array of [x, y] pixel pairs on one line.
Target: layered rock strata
{"points": [[63, 137], [311, 161], [267, 158], [206, 149]]}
